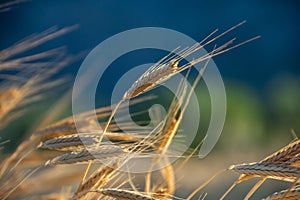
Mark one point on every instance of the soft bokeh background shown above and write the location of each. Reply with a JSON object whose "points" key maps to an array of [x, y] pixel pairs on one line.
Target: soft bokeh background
{"points": [[262, 79]]}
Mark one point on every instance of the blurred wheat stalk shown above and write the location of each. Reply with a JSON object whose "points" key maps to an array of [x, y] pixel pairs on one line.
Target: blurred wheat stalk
{"points": [[46, 161]]}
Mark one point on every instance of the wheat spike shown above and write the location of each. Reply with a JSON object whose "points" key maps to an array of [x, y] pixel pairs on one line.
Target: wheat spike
{"points": [[168, 67], [68, 143], [282, 172], [287, 156], [77, 142], [103, 152]]}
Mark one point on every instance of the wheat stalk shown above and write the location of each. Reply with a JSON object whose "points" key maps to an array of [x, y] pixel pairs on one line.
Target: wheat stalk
{"points": [[168, 188], [97, 180], [65, 136], [165, 69], [28, 90]]}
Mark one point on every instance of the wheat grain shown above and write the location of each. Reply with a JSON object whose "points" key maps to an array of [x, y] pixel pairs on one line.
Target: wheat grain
{"points": [[172, 123], [294, 161]]}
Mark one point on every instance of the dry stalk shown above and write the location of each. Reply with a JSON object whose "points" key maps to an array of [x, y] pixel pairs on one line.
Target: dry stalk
{"points": [[96, 180]]}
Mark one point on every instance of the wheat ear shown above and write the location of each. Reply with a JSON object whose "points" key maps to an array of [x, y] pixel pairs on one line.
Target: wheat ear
{"points": [[166, 68], [69, 143], [282, 172], [104, 152]]}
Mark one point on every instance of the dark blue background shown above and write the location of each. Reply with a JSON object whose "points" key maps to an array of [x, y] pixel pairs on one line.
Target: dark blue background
{"points": [[255, 64]]}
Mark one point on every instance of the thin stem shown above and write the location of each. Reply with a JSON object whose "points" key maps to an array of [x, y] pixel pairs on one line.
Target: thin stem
{"points": [[84, 175], [255, 187], [229, 189], [287, 192]]}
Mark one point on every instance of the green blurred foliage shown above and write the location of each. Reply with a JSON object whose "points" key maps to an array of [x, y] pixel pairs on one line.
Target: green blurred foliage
{"points": [[253, 118], [284, 103]]}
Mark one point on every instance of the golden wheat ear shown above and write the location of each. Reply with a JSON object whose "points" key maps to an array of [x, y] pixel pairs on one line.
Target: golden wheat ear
{"points": [[274, 171], [167, 67], [29, 83], [104, 152]]}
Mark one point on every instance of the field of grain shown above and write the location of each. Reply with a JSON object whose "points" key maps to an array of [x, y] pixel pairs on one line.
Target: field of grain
{"points": [[47, 152]]}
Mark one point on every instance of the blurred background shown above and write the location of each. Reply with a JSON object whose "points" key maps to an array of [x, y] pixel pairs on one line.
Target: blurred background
{"points": [[262, 79]]}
